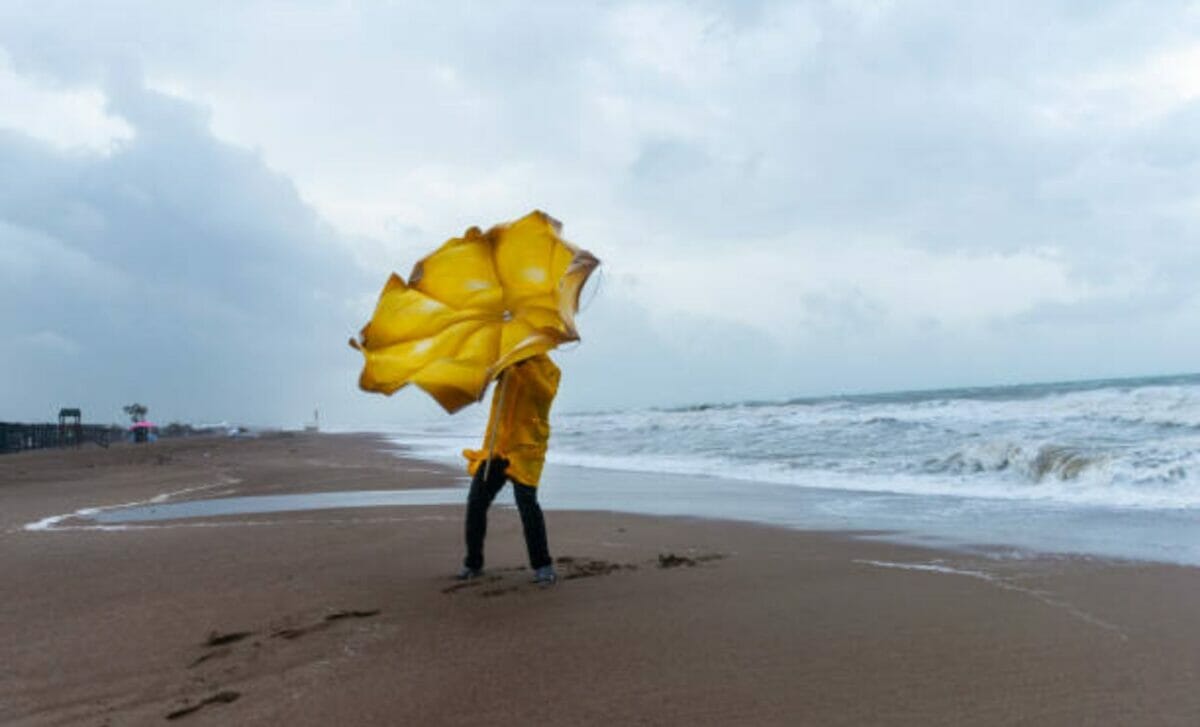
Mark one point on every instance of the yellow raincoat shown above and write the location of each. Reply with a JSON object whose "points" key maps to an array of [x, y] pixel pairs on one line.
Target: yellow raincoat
{"points": [[520, 419]]}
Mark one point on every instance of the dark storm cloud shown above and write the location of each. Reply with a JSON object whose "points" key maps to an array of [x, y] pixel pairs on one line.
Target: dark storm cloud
{"points": [[791, 197], [178, 271]]}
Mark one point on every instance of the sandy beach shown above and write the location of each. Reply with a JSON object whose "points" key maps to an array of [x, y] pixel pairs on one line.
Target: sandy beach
{"points": [[349, 616]]}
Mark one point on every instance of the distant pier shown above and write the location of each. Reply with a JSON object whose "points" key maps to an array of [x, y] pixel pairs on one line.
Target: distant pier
{"points": [[18, 437]]}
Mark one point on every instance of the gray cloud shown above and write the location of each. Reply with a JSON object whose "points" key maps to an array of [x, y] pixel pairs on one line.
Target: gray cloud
{"points": [[178, 271], [867, 194]]}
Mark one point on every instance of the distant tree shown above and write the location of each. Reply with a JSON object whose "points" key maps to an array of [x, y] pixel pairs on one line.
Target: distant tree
{"points": [[136, 412]]}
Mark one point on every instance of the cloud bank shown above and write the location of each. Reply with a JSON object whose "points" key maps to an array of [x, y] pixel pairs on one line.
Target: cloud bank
{"points": [[197, 206]]}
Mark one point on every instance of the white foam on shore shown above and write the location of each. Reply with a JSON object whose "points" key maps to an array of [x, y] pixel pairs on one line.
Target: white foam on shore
{"points": [[1005, 584], [929, 568], [226, 523]]}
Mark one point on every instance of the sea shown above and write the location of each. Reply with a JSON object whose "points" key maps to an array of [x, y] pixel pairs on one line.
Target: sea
{"points": [[1106, 468]]}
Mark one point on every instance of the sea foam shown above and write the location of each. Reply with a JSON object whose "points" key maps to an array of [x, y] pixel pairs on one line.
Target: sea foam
{"points": [[1124, 443]]}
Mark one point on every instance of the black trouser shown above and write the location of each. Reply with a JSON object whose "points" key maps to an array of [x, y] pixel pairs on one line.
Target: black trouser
{"points": [[480, 498]]}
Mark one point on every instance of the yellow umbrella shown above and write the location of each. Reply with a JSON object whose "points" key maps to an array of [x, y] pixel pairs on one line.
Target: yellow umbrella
{"points": [[479, 304]]}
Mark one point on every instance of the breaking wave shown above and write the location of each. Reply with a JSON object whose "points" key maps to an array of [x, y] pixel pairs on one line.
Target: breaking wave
{"points": [[1047, 461], [1126, 443]]}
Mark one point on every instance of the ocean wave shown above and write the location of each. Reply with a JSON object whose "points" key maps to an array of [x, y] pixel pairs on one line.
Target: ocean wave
{"points": [[1036, 464], [1101, 482], [1126, 445]]}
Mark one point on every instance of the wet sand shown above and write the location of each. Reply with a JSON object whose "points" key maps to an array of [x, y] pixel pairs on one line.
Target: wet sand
{"points": [[349, 616]]}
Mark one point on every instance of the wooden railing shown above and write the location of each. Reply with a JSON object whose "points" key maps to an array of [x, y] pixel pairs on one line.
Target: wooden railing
{"points": [[16, 437]]}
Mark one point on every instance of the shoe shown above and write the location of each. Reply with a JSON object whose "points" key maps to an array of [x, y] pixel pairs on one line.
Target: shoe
{"points": [[545, 576], [467, 574]]}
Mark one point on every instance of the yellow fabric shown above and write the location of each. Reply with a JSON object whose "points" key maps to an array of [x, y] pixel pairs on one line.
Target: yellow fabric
{"points": [[479, 304], [519, 423]]}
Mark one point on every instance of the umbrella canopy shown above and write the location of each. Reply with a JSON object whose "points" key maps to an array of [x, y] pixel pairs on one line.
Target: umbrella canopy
{"points": [[475, 306], [143, 425]]}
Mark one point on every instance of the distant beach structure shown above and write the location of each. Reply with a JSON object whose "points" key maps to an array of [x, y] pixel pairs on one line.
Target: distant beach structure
{"points": [[144, 431], [70, 427], [70, 431]]}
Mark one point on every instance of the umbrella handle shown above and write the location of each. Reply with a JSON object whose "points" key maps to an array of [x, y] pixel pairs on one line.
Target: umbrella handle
{"points": [[493, 426]]}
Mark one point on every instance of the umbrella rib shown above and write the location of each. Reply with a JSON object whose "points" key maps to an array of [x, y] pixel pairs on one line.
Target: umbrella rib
{"points": [[549, 262], [491, 239], [496, 269], [432, 297]]}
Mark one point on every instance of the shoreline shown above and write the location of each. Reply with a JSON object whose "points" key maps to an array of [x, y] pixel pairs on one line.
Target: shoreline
{"points": [[349, 615], [969, 524], [787, 507]]}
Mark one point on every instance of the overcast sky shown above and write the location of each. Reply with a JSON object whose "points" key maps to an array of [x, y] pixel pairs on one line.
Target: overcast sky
{"points": [[199, 202]]}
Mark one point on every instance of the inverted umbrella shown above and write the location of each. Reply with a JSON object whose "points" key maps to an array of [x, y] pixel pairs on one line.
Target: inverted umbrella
{"points": [[475, 306]]}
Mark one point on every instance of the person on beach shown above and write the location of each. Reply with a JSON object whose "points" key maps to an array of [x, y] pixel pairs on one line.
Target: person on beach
{"points": [[514, 448]]}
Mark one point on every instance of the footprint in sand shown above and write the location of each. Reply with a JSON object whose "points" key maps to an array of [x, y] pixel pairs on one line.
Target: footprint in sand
{"points": [[216, 654], [216, 638], [223, 697], [670, 560], [295, 633], [572, 568], [220, 645], [339, 615], [473, 583]]}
